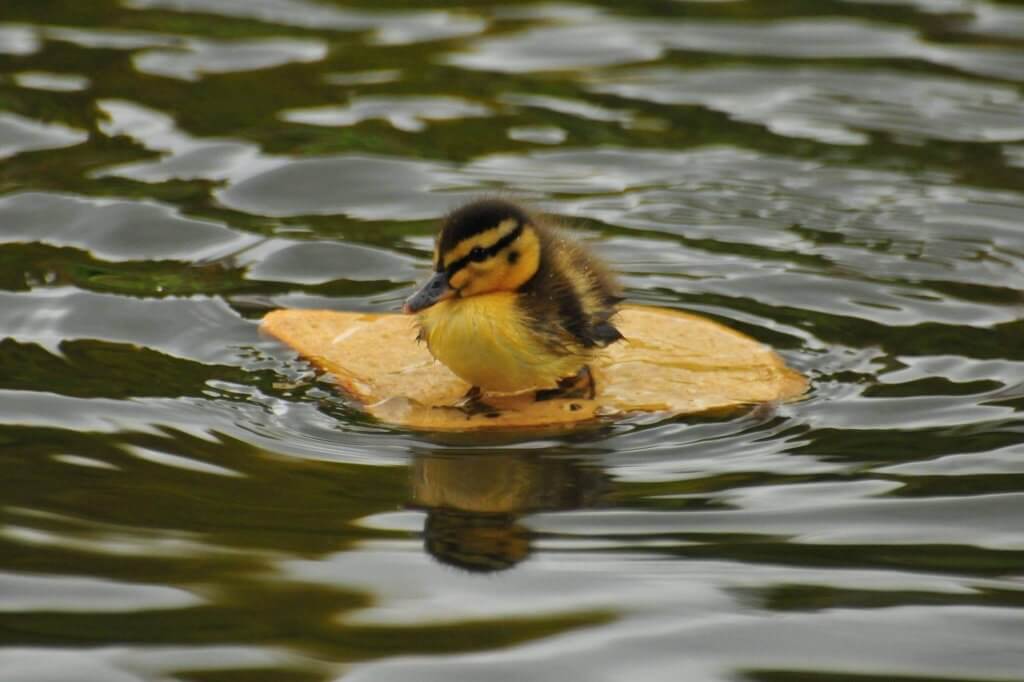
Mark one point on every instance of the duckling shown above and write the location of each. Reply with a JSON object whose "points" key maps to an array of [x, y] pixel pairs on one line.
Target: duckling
{"points": [[514, 305]]}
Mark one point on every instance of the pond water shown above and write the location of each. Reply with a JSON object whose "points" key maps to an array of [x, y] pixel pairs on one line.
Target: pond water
{"points": [[182, 498]]}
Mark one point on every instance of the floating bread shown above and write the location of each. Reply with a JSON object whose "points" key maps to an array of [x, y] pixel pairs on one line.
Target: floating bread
{"points": [[671, 362]]}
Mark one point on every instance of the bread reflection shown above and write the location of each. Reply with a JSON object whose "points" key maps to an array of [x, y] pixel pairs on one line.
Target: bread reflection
{"points": [[474, 501]]}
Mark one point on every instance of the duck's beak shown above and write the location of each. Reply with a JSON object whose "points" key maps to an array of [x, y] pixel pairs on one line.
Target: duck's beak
{"points": [[433, 291]]}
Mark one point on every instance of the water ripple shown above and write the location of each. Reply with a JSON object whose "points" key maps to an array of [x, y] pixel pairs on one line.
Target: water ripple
{"points": [[194, 58], [835, 105], [19, 134]]}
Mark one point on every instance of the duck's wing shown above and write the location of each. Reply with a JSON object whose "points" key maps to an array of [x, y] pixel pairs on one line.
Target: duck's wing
{"points": [[605, 333]]}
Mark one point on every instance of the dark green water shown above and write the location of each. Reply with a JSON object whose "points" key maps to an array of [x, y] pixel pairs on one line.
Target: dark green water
{"points": [[183, 499]]}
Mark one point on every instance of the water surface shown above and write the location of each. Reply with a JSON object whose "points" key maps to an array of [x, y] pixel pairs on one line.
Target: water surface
{"points": [[184, 499]]}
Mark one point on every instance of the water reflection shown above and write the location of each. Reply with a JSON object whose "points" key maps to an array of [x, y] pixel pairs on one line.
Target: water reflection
{"points": [[475, 499]]}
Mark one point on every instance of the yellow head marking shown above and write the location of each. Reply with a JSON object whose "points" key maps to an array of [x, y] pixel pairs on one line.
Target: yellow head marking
{"points": [[482, 240], [502, 258]]}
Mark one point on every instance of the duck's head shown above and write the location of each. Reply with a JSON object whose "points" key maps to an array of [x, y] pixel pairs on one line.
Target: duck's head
{"points": [[486, 246]]}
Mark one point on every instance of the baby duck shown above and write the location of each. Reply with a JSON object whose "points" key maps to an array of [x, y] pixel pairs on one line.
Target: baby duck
{"points": [[514, 305]]}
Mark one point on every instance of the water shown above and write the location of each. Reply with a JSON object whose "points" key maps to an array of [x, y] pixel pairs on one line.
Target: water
{"points": [[184, 499]]}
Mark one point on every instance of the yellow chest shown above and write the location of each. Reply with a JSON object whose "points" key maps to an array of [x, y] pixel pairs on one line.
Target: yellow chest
{"points": [[485, 341]]}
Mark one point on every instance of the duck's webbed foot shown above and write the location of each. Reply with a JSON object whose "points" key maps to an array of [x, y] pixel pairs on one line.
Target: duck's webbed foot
{"points": [[580, 385], [473, 403]]}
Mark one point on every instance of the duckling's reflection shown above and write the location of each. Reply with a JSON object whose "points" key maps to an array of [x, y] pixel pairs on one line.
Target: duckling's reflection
{"points": [[474, 501]]}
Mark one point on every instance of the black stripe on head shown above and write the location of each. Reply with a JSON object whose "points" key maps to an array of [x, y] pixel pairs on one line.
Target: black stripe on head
{"points": [[476, 217], [489, 252]]}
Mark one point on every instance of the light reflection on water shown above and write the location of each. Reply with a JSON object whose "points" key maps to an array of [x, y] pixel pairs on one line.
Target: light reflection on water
{"points": [[183, 498]]}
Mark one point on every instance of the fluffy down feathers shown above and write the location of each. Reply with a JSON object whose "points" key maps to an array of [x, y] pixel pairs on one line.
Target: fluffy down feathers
{"points": [[514, 304]]}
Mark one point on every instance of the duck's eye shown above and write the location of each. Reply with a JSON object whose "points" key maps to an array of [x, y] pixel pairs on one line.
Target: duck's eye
{"points": [[477, 254]]}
